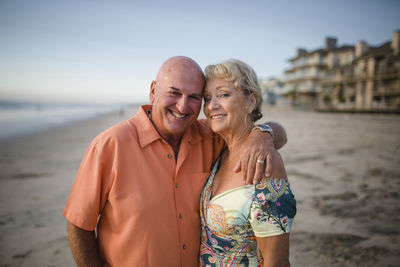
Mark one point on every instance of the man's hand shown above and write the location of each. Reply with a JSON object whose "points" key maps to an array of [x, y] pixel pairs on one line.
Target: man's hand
{"points": [[258, 153], [280, 137], [256, 157]]}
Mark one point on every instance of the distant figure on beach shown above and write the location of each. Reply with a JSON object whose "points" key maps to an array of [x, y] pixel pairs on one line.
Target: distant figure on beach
{"points": [[241, 225], [135, 200]]}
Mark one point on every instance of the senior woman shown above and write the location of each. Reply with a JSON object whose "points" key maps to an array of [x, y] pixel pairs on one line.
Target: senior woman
{"points": [[241, 225]]}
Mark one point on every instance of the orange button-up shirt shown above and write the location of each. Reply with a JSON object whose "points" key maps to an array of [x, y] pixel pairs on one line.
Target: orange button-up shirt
{"points": [[147, 201]]}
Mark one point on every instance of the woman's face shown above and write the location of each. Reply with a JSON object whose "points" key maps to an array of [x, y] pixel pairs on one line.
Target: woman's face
{"points": [[225, 106]]}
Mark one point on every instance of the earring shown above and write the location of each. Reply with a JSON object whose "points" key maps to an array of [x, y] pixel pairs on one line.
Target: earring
{"points": [[245, 118]]}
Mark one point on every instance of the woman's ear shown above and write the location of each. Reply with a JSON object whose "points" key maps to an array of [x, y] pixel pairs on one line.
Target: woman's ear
{"points": [[252, 102]]}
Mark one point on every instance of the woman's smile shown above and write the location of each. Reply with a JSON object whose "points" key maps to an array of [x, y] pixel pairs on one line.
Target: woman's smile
{"points": [[219, 116]]}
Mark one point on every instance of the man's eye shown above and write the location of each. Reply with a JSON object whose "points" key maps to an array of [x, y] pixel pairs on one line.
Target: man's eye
{"points": [[196, 97], [174, 93]]}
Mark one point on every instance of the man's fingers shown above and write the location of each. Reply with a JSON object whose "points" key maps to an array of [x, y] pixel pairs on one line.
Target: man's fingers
{"points": [[268, 168], [260, 170], [260, 161], [243, 164], [243, 167], [237, 167], [251, 168]]}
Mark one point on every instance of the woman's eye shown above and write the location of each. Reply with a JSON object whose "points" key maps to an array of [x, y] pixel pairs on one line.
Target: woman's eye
{"points": [[224, 95], [207, 99]]}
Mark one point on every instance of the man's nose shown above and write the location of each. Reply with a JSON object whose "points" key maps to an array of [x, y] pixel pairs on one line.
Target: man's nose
{"points": [[182, 104]]}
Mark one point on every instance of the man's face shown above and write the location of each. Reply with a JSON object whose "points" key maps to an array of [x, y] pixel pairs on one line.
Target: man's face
{"points": [[176, 97]]}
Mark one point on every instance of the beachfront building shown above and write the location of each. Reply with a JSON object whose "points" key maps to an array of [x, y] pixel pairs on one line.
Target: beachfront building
{"points": [[346, 78], [339, 71], [302, 83], [365, 79]]}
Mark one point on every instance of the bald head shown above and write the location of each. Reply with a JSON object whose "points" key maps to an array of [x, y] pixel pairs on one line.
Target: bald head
{"points": [[182, 65]]}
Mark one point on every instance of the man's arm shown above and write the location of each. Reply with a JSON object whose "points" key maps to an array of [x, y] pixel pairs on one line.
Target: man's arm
{"points": [[260, 149], [280, 137], [84, 246]]}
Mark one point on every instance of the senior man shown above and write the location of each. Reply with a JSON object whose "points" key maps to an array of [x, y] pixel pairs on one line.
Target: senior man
{"points": [[135, 200]]}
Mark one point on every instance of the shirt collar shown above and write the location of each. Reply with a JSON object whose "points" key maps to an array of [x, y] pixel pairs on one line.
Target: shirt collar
{"points": [[147, 132]]}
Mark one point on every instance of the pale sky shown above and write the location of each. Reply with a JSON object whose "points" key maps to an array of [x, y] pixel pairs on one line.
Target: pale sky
{"points": [[110, 51]]}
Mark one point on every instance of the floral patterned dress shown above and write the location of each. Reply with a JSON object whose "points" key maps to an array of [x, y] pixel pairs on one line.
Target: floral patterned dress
{"points": [[232, 220]]}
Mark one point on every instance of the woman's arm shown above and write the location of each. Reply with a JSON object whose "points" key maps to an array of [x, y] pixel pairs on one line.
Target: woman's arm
{"points": [[274, 250]]}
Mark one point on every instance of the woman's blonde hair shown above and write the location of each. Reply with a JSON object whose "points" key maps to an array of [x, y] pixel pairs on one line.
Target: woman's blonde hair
{"points": [[242, 76]]}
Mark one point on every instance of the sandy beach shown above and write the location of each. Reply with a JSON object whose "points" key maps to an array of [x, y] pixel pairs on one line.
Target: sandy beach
{"points": [[344, 171]]}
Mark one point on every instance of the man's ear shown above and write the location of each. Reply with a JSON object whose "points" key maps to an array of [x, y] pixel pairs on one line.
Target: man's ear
{"points": [[152, 91]]}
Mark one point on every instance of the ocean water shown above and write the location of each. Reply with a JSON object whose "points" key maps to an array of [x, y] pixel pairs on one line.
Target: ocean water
{"points": [[18, 119]]}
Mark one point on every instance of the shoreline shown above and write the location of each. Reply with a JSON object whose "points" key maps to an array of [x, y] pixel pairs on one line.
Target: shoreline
{"points": [[343, 170], [9, 140]]}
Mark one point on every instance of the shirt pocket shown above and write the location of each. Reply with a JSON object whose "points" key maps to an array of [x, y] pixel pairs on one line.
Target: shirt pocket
{"points": [[198, 181]]}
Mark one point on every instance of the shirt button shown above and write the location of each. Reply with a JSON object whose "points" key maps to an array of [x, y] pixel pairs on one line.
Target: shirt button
{"points": [[184, 246], [169, 156], [180, 216], [176, 185]]}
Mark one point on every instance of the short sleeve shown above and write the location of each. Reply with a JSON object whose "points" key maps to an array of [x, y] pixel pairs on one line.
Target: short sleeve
{"points": [[89, 192], [273, 208]]}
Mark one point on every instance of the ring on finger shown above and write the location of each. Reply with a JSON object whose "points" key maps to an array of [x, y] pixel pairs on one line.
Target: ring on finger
{"points": [[260, 161]]}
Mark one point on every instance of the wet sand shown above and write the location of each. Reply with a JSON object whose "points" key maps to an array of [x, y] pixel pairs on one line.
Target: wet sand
{"points": [[344, 171]]}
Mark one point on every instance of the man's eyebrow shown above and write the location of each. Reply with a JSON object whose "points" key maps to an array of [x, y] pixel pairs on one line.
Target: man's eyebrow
{"points": [[177, 89], [198, 95]]}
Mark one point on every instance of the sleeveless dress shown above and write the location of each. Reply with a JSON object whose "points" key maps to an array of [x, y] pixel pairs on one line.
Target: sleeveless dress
{"points": [[232, 220]]}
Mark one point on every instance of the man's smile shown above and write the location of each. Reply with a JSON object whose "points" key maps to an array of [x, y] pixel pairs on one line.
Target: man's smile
{"points": [[178, 115]]}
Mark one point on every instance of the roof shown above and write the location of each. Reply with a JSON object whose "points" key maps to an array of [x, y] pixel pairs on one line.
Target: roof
{"points": [[323, 51], [382, 50]]}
